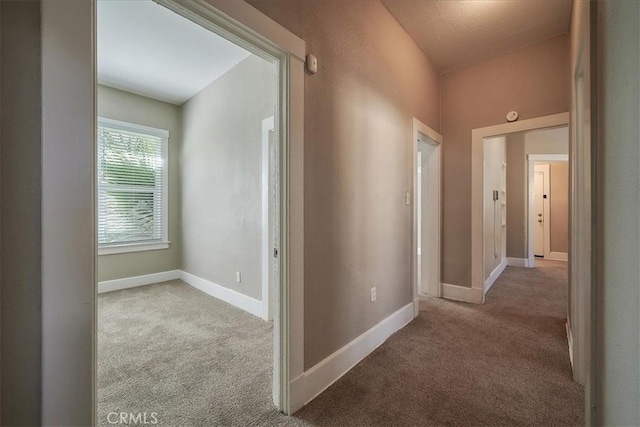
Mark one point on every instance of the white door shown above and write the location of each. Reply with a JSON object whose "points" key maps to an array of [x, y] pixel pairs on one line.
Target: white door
{"points": [[540, 197]]}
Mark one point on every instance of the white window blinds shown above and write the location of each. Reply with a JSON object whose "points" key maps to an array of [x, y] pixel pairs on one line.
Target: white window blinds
{"points": [[132, 194]]}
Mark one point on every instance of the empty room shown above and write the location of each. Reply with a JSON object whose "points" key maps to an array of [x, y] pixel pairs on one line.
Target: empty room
{"points": [[187, 219]]}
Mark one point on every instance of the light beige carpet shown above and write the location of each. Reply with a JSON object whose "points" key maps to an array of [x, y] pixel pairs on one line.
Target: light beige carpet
{"points": [[192, 359], [200, 362]]}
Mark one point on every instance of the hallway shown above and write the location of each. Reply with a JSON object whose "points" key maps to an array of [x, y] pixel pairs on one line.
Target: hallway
{"points": [[503, 363]]}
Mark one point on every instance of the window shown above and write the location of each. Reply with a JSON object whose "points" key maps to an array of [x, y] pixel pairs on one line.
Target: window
{"points": [[132, 187]]}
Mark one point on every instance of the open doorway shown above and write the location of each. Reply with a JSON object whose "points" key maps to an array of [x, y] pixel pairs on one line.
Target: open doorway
{"points": [[189, 220], [427, 160], [548, 216], [525, 199]]}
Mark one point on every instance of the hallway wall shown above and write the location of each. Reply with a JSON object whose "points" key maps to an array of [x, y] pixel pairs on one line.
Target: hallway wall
{"points": [[21, 246], [372, 80], [533, 81], [559, 206], [617, 323], [495, 153]]}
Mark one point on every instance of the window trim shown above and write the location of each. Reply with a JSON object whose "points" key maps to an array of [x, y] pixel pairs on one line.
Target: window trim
{"points": [[144, 245]]}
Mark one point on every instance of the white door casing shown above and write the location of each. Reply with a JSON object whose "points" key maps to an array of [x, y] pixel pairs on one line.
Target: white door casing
{"points": [[542, 211], [426, 148]]}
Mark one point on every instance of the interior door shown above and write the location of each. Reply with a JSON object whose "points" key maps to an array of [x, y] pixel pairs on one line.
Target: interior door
{"points": [[540, 220]]}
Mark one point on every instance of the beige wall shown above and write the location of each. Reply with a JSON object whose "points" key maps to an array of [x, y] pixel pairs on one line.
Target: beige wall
{"points": [[20, 228], [222, 176], [559, 206], [516, 196], [533, 81], [617, 305], [119, 105], [372, 80], [519, 146]]}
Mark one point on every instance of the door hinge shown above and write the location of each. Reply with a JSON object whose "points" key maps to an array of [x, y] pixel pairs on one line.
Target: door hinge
{"points": [[275, 252]]}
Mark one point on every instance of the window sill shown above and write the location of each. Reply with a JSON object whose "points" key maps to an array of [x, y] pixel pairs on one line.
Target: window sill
{"points": [[132, 247]]}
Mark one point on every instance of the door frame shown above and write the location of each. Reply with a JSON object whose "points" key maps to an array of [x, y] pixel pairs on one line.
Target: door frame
{"points": [[69, 250], [268, 244], [423, 133], [477, 184], [531, 162], [546, 209]]}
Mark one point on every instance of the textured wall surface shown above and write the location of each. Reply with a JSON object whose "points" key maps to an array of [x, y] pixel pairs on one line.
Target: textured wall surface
{"points": [[559, 206], [125, 106], [494, 234], [222, 176], [617, 382], [21, 179], [533, 81], [372, 80]]}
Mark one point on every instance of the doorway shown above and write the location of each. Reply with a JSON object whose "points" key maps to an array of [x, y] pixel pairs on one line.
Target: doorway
{"points": [[69, 115], [541, 210], [427, 160], [187, 204], [547, 213]]}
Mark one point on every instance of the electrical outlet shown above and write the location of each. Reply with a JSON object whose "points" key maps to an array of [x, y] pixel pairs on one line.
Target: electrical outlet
{"points": [[238, 277], [373, 294]]}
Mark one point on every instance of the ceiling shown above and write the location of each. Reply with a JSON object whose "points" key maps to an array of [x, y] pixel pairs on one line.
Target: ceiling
{"points": [[457, 33], [147, 49]]}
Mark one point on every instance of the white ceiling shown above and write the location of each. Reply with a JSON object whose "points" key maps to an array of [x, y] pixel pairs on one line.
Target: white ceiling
{"points": [[458, 33], [149, 50]]}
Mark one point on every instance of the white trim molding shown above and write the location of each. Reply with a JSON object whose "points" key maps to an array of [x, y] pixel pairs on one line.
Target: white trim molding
{"points": [[321, 376], [462, 293], [241, 301], [236, 299], [135, 281], [559, 256], [518, 262], [569, 341], [424, 134], [494, 275]]}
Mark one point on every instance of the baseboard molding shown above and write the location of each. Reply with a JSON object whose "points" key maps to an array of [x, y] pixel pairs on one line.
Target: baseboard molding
{"points": [[570, 341], [494, 275], [558, 256], [321, 376], [135, 281], [462, 293], [243, 302], [518, 262]]}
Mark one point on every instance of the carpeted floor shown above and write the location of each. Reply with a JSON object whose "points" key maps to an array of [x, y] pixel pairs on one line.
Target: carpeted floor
{"points": [[503, 363], [194, 360]]}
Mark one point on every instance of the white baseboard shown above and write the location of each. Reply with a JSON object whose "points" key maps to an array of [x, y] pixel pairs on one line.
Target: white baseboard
{"points": [[135, 281], [570, 341], [558, 256], [317, 379], [517, 262], [494, 275], [243, 302], [462, 293]]}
